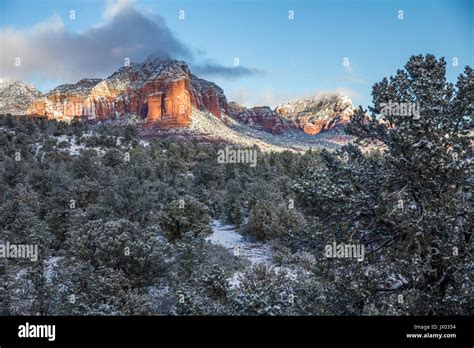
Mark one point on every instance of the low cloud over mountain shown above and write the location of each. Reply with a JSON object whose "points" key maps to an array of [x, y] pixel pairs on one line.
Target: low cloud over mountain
{"points": [[49, 50]]}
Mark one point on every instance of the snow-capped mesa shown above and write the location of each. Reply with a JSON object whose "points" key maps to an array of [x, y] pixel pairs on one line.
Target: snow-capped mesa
{"points": [[16, 97], [319, 113], [163, 93], [159, 92]]}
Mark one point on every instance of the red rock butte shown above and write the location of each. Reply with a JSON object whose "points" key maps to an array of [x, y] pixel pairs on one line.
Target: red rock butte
{"points": [[162, 92]]}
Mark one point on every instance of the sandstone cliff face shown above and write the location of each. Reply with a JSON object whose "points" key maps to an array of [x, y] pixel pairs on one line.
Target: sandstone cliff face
{"points": [[160, 91], [164, 92], [260, 116], [318, 114], [155, 112], [65, 101], [313, 116], [209, 96]]}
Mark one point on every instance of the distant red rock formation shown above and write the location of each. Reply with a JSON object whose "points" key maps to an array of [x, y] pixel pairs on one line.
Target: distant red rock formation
{"points": [[259, 116], [318, 114], [156, 90], [164, 92]]}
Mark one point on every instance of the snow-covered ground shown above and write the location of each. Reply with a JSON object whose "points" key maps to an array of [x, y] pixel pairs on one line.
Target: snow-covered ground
{"points": [[74, 148], [50, 269], [228, 237], [245, 135]]}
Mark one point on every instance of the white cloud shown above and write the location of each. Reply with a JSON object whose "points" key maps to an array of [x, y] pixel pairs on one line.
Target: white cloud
{"points": [[114, 7], [48, 51]]}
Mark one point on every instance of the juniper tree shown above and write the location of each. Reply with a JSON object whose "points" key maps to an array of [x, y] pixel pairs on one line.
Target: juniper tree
{"points": [[185, 216], [263, 291], [409, 203], [121, 245], [76, 287]]}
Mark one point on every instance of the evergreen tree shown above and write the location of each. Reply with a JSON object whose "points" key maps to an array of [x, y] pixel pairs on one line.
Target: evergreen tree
{"points": [[408, 204]]}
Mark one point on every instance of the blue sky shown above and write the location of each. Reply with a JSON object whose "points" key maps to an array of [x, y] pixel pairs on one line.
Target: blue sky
{"points": [[286, 58]]}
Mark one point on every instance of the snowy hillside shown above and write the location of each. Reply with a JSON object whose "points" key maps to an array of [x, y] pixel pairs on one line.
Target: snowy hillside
{"points": [[16, 97], [235, 132]]}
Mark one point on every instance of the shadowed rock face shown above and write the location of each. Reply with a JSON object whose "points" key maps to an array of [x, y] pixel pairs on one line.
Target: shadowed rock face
{"points": [[157, 90], [259, 116]]}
